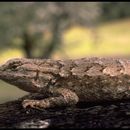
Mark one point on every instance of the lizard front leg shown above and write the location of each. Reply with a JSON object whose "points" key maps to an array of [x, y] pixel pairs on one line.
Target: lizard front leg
{"points": [[60, 97]]}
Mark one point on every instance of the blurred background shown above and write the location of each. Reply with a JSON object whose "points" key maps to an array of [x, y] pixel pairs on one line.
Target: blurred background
{"points": [[61, 30]]}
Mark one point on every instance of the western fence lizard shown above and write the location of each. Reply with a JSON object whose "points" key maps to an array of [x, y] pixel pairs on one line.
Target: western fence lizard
{"points": [[67, 82]]}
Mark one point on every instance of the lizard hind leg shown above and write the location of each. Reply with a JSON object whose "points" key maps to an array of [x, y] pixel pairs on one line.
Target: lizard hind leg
{"points": [[61, 97]]}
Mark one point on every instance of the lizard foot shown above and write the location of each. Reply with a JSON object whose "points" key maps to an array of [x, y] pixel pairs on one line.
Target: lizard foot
{"points": [[34, 104], [62, 97], [29, 103]]}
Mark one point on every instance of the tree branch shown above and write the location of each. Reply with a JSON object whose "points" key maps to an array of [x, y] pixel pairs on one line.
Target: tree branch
{"points": [[116, 114]]}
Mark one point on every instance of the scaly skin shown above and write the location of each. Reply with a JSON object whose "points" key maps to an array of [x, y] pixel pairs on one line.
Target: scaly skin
{"points": [[67, 82]]}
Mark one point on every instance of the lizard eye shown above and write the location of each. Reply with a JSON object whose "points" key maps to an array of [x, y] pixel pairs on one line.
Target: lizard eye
{"points": [[14, 66]]}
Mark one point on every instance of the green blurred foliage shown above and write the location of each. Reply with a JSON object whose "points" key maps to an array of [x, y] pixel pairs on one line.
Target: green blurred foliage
{"points": [[31, 20], [37, 28], [115, 10]]}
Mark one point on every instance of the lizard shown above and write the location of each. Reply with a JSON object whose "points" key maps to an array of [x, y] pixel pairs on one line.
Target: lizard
{"points": [[70, 81]]}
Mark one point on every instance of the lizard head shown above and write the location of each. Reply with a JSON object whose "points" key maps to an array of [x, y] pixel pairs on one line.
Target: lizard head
{"points": [[22, 73]]}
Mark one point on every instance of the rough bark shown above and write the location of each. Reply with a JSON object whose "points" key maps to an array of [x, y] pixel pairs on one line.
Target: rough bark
{"points": [[105, 115]]}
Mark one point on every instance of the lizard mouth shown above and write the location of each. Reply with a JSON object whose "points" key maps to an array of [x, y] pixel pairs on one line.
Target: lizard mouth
{"points": [[24, 83]]}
